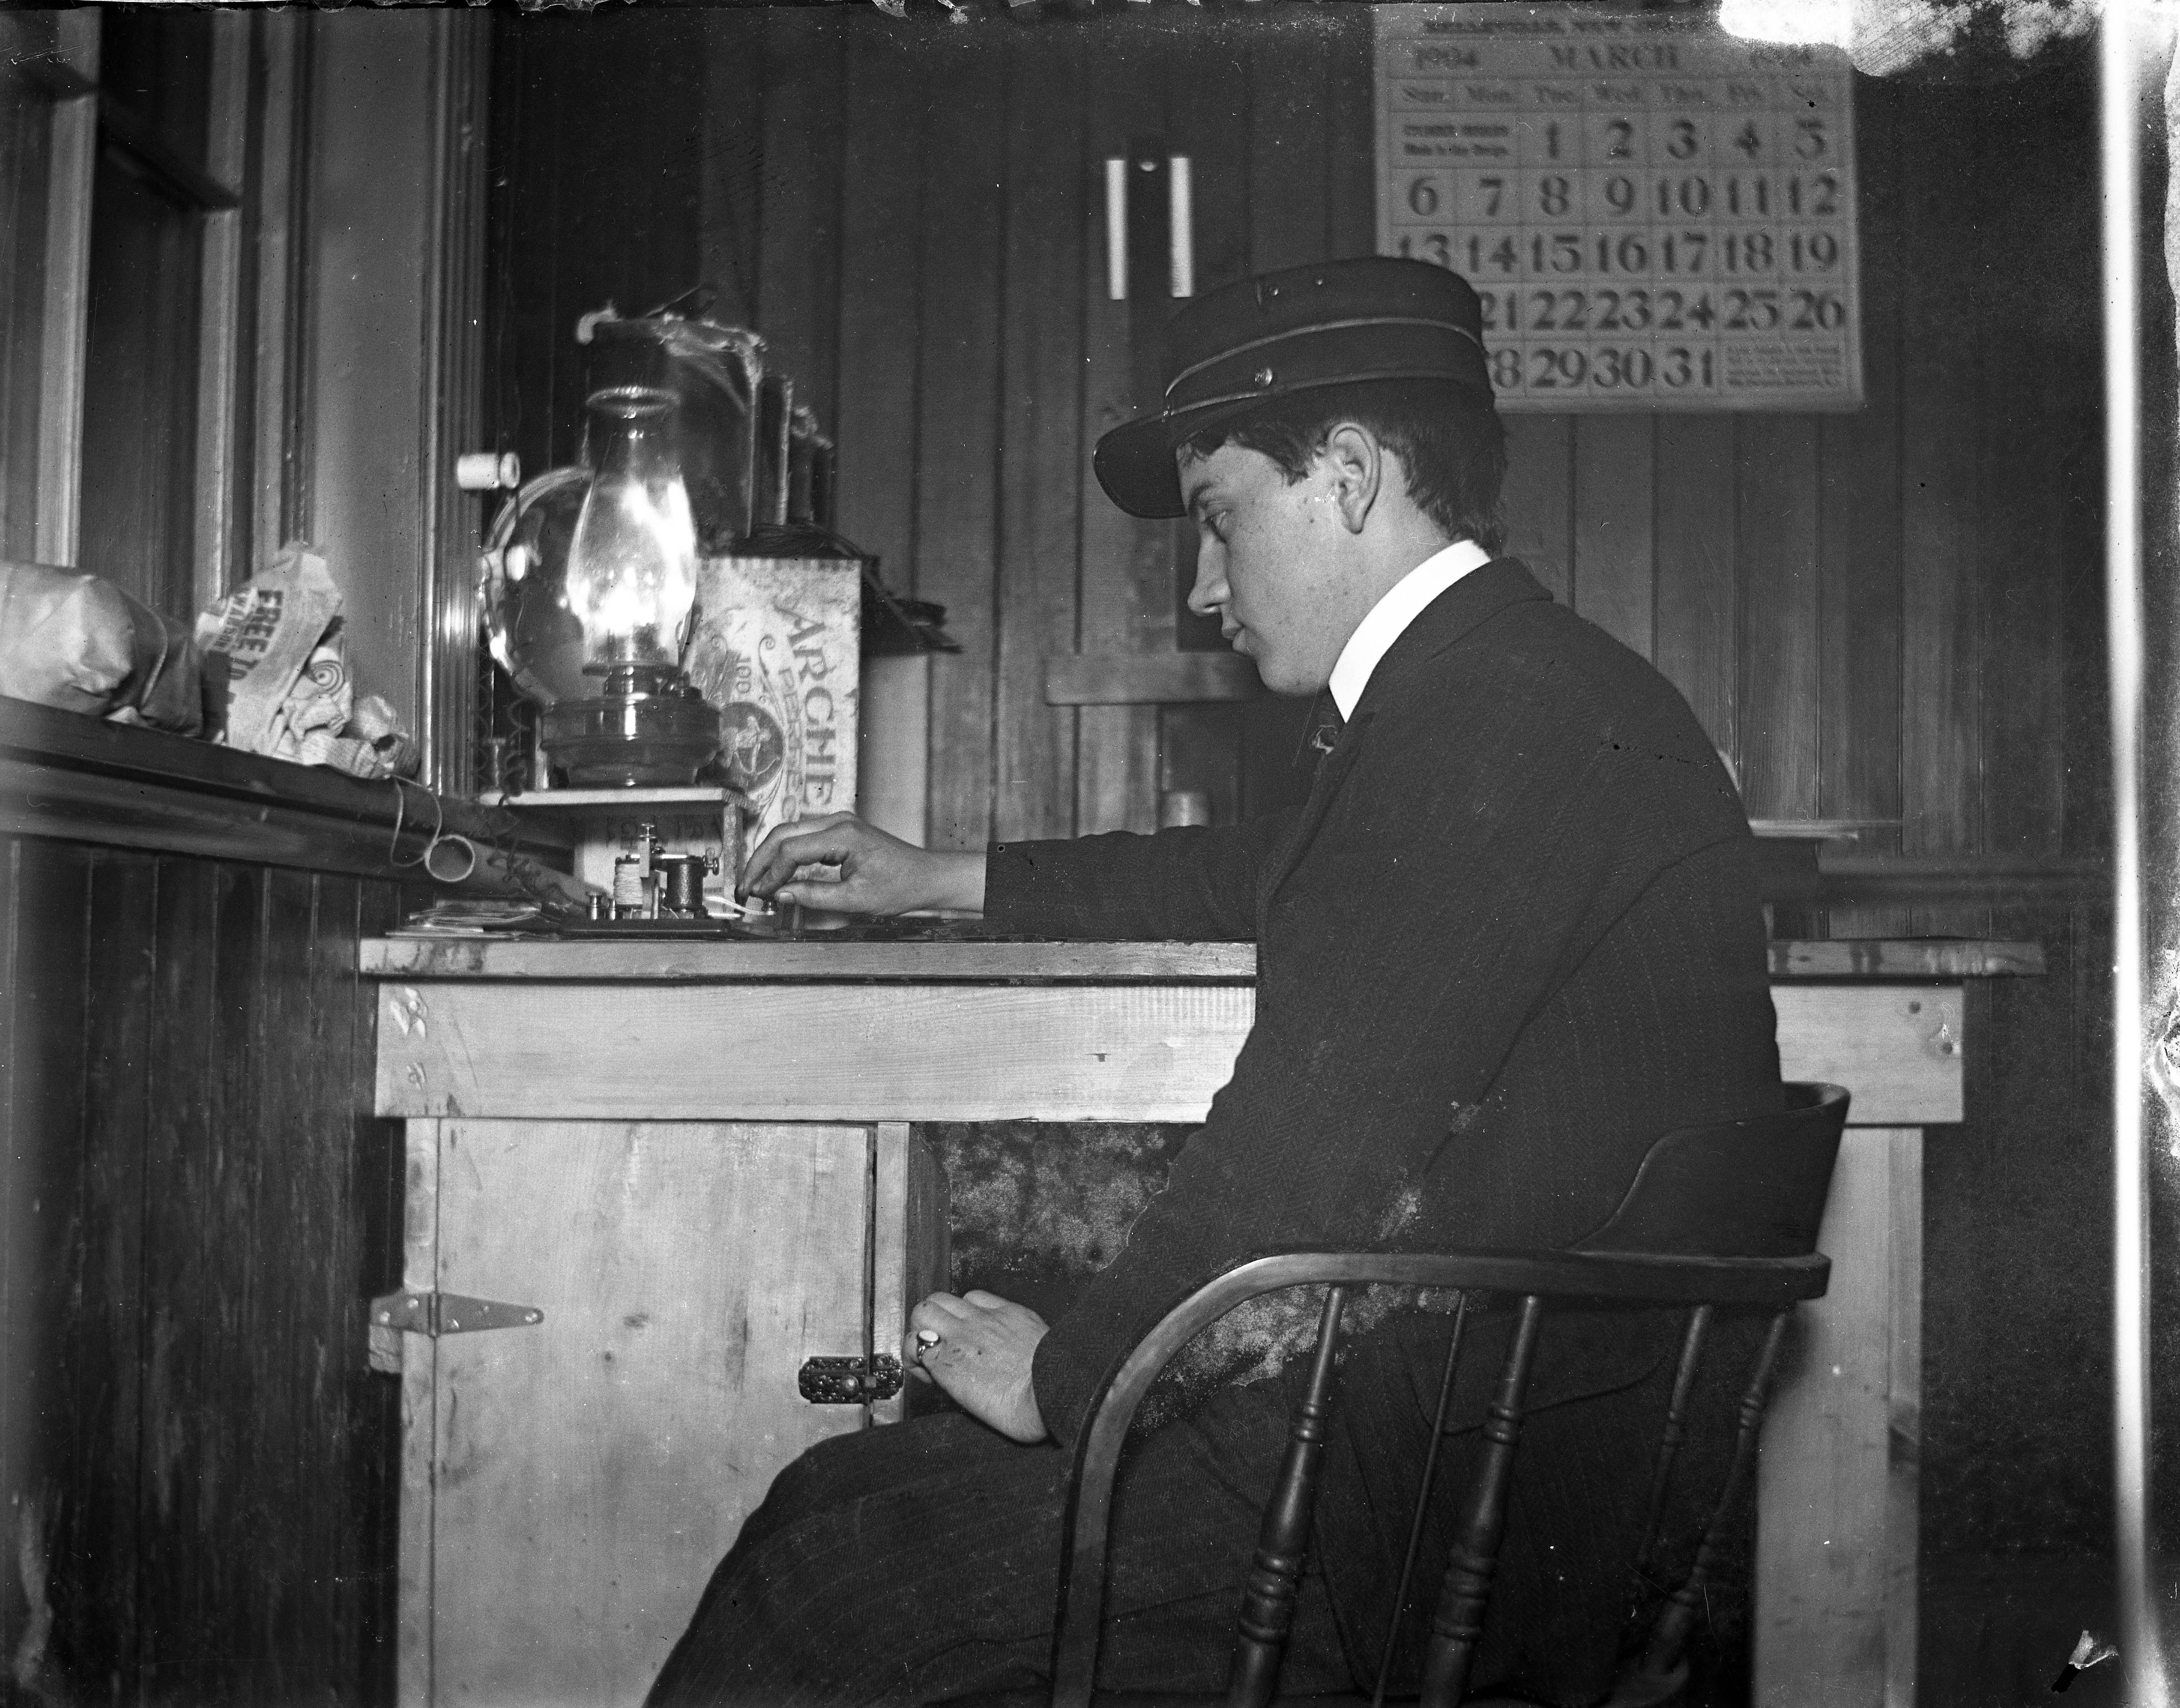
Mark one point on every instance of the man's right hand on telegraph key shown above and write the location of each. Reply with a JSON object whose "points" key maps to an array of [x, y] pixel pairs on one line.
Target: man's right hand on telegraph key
{"points": [[879, 873]]}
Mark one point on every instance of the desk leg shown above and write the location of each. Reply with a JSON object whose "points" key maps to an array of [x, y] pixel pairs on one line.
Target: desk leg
{"points": [[1836, 1538], [908, 1240]]}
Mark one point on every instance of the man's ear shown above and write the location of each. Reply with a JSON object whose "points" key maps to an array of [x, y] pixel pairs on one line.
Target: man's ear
{"points": [[1357, 463]]}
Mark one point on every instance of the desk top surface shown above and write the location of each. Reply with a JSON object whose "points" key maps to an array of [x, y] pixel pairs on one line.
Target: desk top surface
{"points": [[816, 959]]}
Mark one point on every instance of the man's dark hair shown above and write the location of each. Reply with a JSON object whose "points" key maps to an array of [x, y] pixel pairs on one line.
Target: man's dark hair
{"points": [[1451, 444]]}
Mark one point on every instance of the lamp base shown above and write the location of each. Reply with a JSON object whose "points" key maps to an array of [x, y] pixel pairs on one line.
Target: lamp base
{"points": [[649, 729]]}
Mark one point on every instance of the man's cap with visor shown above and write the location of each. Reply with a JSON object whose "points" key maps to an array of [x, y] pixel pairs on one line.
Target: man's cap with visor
{"points": [[1336, 323]]}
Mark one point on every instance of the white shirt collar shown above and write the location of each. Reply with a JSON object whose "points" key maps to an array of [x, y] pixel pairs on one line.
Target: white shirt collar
{"points": [[1389, 619]]}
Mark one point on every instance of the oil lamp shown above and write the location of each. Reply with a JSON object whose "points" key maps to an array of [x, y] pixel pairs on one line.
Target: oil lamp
{"points": [[629, 585]]}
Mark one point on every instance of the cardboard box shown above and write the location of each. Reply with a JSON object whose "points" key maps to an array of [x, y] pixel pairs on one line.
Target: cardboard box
{"points": [[777, 648]]}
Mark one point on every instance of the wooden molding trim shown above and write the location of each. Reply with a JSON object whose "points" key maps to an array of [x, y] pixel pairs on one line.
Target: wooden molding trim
{"points": [[980, 1051], [71, 162], [1846, 877], [815, 961], [79, 779], [1150, 679], [451, 408], [219, 307], [275, 496]]}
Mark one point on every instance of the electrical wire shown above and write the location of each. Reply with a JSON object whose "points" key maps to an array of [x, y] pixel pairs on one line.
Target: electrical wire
{"points": [[439, 837]]}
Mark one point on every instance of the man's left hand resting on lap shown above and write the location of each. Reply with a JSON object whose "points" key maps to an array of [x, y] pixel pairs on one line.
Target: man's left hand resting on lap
{"points": [[982, 1358]]}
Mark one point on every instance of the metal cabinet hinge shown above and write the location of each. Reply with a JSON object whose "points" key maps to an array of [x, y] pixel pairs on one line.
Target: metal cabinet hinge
{"points": [[846, 1382], [437, 1314]]}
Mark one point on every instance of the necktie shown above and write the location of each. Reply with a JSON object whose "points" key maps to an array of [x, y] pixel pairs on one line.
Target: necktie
{"points": [[1326, 724]]}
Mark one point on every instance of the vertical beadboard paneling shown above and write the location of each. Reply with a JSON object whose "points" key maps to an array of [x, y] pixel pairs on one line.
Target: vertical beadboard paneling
{"points": [[290, 1500], [1201, 748], [1350, 165], [1126, 565], [1538, 499], [2029, 411], [1942, 538], [51, 1205], [1289, 169], [1208, 120], [1698, 616], [798, 266], [880, 206], [193, 1299], [1859, 511], [1775, 539], [1048, 209], [1825, 596], [729, 175], [1293, 60], [189, 1419], [103, 1402], [958, 419], [1614, 531], [18, 1396]]}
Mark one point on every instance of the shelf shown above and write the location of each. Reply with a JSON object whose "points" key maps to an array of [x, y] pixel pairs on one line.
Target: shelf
{"points": [[609, 800]]}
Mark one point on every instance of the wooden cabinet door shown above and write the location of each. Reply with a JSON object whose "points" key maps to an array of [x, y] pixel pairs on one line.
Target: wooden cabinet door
{"points": [[568, 1487]]}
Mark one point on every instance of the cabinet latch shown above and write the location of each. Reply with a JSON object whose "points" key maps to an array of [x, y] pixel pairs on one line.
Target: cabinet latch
{"points": [[437, 1314], [846, 1381]]}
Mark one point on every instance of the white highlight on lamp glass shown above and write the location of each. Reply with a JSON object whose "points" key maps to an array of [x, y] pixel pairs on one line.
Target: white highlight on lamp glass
{"points": [[1116, 228], [1180, 204]]}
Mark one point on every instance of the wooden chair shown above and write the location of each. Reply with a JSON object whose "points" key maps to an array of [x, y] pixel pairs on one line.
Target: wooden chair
{"points": [[1717, 1217]]}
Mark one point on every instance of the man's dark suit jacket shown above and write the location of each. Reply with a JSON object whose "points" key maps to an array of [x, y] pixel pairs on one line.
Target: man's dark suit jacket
{"points": [[1512, 937]]}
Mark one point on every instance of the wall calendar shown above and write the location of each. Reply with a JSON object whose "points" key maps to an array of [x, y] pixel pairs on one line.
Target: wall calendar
{"points": [[1655, 214]]}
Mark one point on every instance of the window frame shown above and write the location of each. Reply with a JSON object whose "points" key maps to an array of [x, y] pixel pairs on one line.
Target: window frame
{"points": [[242, 495]]}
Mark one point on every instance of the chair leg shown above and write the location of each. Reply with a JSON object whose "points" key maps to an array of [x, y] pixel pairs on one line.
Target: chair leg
{"points": [[1669, 1635], [1274, 1585], [1457, 1626], [1669, 1444], [1422, 1501]]}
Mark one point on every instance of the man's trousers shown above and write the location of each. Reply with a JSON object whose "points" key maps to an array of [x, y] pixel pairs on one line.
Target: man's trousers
{"points": [[918, 1561]]}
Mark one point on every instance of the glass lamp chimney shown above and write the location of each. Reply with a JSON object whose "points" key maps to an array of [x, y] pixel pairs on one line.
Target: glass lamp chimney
{"points": [[631, 573]]}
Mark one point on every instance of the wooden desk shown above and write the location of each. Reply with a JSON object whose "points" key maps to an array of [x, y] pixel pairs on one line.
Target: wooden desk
{"points": [[880, 1035]]}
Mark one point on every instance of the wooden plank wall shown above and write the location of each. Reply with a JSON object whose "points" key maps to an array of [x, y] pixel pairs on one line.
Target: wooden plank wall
{"points": [[199, 1466], [1865, 608]]}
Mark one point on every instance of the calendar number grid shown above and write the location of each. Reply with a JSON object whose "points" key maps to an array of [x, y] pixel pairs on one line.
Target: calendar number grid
{"points": [[1678, 232]]}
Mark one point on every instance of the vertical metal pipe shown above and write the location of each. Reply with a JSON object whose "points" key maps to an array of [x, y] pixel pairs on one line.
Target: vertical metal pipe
{"points": [[2146, 924], [2144, 639]]}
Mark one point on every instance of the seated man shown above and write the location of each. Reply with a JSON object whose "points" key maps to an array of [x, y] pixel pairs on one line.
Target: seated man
{"points": [[1512, 937]]}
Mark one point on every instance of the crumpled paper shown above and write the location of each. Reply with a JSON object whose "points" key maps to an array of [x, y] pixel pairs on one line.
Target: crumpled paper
{"points": [[79, 642], [290, 693]]}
